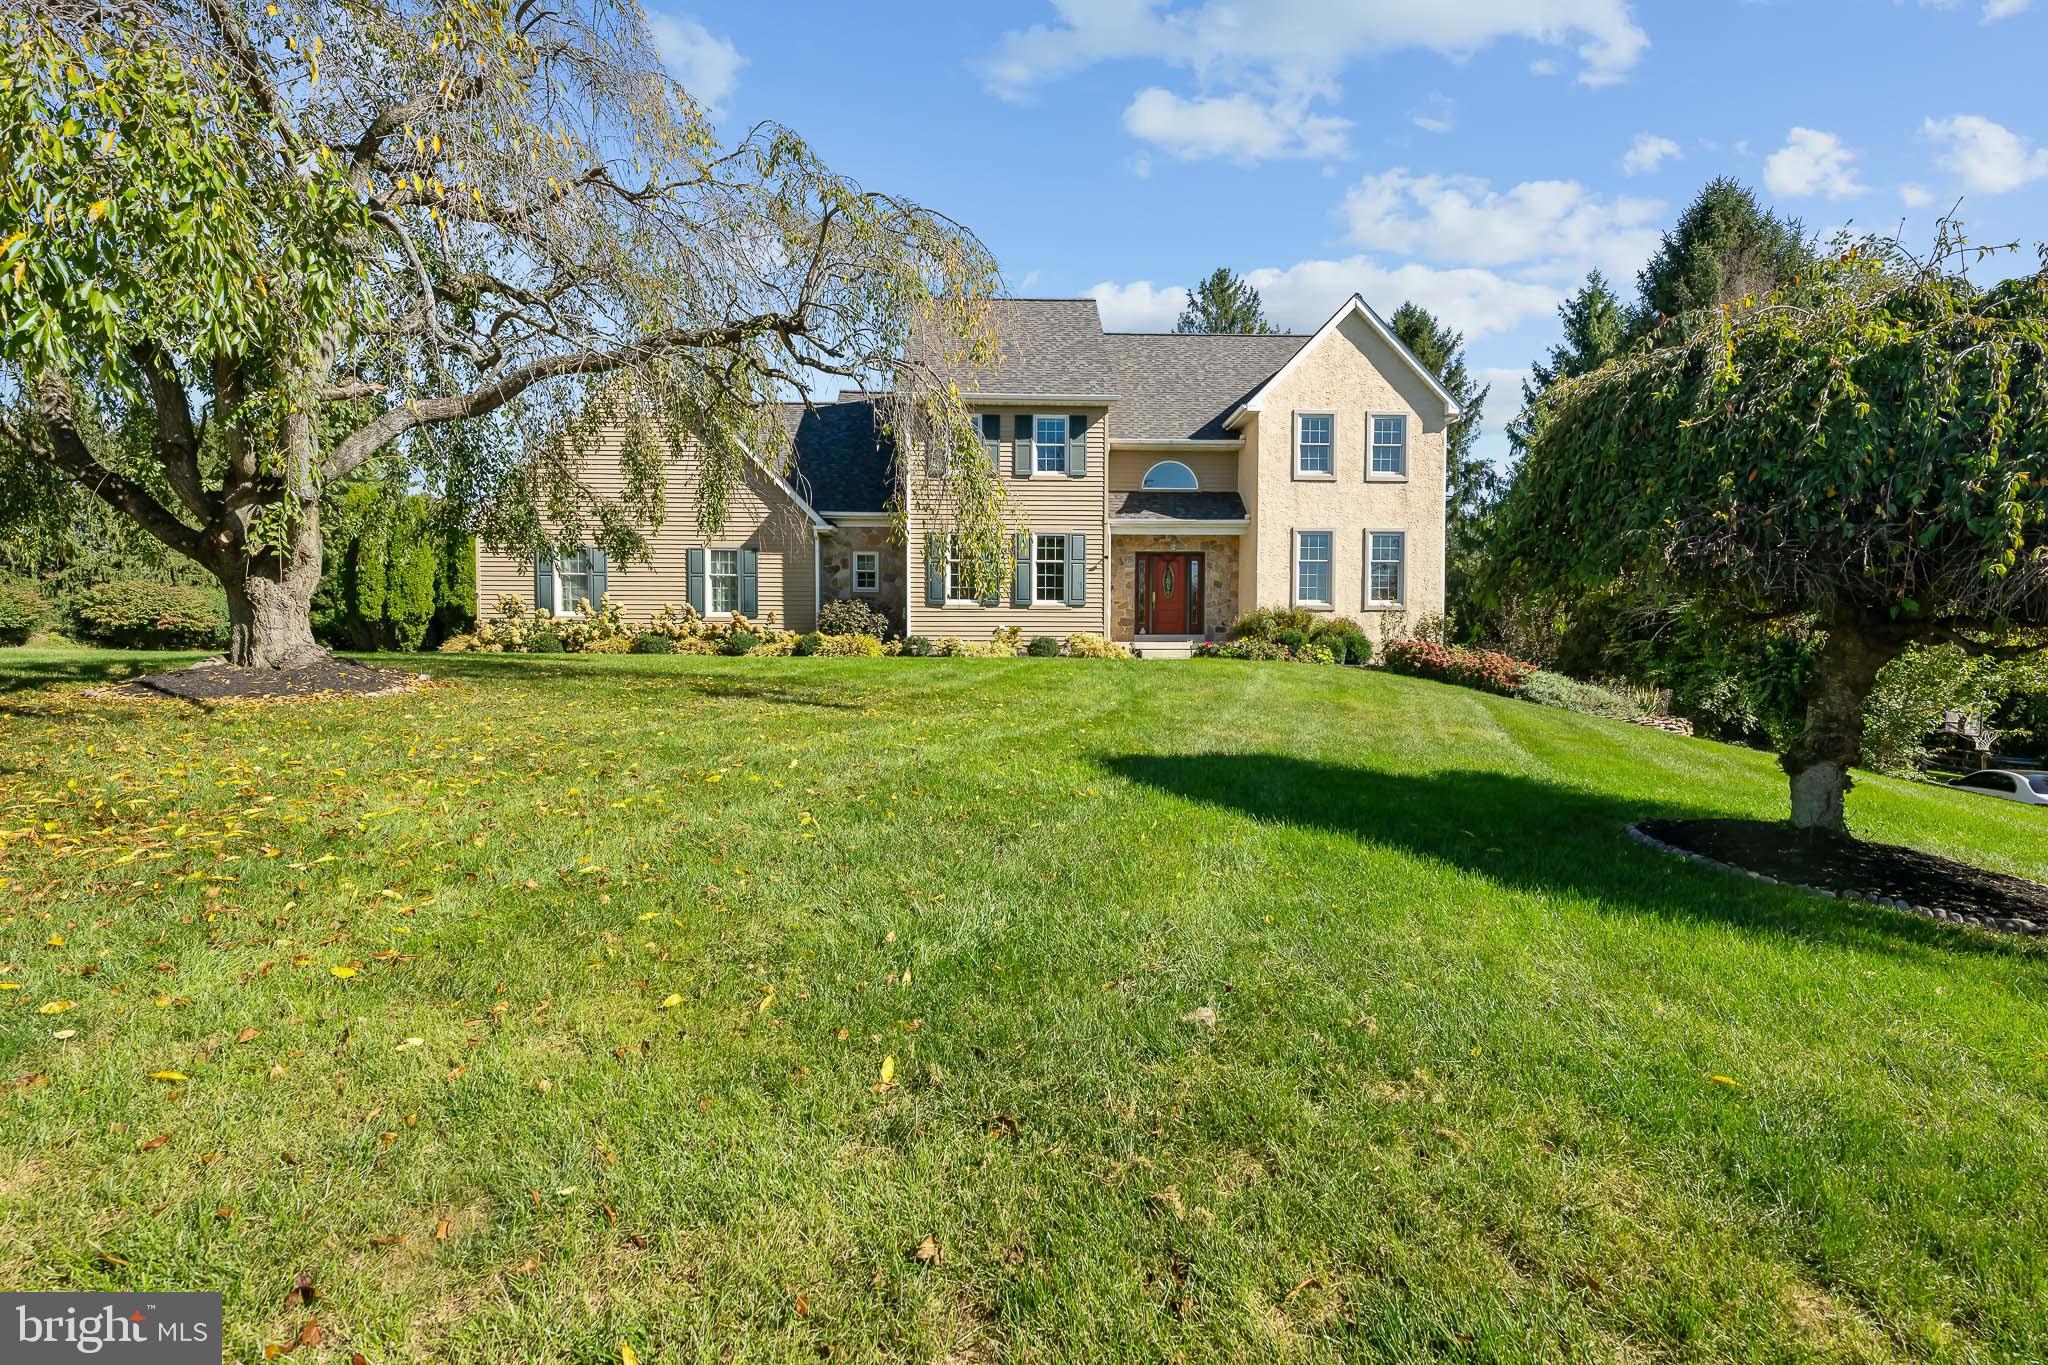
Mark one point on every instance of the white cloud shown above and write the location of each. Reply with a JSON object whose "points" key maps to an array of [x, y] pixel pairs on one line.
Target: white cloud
{"points": [[1239, 127], [1647, 153], [1138, 307], [1812, 162], [1437, 113], [707, 65], [1994, 10], [1556, 226], [1915, 196], [1988, 156]]}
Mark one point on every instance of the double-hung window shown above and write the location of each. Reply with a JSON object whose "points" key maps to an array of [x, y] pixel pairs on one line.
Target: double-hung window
{"points": [[1052, 445], [1389, 446], [725, 582], [1049, 569], [1386, 568], [956, 573], [1312, 568], [867, 571], [1314, 445], [572, 582]]}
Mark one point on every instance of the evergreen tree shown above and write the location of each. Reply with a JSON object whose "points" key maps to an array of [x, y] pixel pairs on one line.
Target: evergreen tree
{"points": [[1471, 483], [1224, 303], [1725, 247]]}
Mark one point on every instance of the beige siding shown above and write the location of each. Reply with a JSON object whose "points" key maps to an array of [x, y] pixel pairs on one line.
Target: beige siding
{"points": [[1215, 470], [1048, 504], [1351, 373], [760, 517]]}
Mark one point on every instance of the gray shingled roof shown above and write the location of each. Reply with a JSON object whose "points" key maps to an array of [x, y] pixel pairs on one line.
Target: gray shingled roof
{"points": [[1176, 387], [1156, 506], [1048, 346], [841, 460]]}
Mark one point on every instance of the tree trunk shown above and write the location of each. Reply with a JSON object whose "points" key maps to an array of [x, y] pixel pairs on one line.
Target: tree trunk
{"points": [[270, 599], [1842, 680]]}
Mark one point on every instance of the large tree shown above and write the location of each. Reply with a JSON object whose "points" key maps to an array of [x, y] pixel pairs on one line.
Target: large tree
{"points": [[288, 239], [1871, 449], [1471, 483], [1724, 248], [1224, 302]]}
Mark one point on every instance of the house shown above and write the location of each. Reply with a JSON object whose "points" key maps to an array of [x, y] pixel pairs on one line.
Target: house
{"points": [[1158, 486]]}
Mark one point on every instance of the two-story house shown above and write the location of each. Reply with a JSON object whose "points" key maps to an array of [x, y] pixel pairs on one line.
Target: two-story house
{"points": [[1157, 486]]}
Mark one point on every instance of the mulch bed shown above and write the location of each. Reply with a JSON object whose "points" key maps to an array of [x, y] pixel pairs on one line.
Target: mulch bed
{"points": [[218, 680], [1903, 878]]}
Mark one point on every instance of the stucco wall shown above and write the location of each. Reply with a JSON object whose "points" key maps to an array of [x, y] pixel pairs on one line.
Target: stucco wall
{"points": [[1053, 504], [1219, 567], [1352, 374], [760, 516]]}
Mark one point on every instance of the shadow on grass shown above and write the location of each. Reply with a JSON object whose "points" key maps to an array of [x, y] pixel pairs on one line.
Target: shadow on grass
{"points": [[1531, 835], [98, 666], [644, 673]]}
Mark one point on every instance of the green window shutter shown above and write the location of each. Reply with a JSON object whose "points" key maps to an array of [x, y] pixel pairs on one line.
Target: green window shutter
{"points": [[1020, 590], [600, 576], [1077, 447], [543, 583], [935, 571], [1024, 452], [992, 437], [750, 582], [695, 577], [1077, 570]]}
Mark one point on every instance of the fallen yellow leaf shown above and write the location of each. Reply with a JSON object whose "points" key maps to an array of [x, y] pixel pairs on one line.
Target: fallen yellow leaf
{"points": [[56, 1007], [672, 1002], [169, 1076], [343, 972], [626, 1356]]}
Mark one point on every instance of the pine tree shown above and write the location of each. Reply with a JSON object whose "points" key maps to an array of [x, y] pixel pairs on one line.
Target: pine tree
{"points": [[1471, 483], [1725, 247], [1224, 303]]}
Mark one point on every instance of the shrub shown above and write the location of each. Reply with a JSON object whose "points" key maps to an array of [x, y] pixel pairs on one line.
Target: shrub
{"points": [[133, 613], [1085, 644], [1483, 669], [1588, 699], [1249, 648], [1043, 647], [1319, 654], [852, 616], [917, 646], [739, 642], [612, 644], [22, 613], [465, 643], [546, 642], [1267, 622], [1344, 638], [851, 647], [653, 644], [809, 643], [1289, 638]]}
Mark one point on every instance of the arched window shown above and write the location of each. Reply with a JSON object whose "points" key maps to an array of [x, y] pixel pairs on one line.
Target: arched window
{"points": [[1170, 474]]}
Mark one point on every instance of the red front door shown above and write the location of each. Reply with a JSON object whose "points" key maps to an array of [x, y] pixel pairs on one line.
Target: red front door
{"points": [[1170, 592]]}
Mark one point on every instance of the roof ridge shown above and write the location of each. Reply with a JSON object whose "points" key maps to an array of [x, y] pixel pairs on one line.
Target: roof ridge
{"points": [[1230, 336]]}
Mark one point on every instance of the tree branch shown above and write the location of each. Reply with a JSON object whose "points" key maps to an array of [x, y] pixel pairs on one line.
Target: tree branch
{"points": [[67, 451], [177, 440]]}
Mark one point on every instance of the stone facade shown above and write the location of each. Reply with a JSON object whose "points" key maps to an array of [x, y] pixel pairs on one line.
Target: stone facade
{"points": [[1220, 569], [836, 567]]}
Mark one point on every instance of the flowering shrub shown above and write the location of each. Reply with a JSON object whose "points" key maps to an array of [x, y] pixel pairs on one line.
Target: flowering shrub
{"points": [[1085, 644], [856, 646], [852, 616], [1481, 668]]}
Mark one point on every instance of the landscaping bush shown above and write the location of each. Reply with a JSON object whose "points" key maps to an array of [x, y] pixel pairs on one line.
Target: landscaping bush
{"points": [[546, 642], [1043, 647], [807, 644], [1267, 622], [464, 643], [1589, 699], [1290, 638], [653, 644], [852, 616], [1344, 638], [133, 613], [1248, 648], [917, 646], [1483, 669], [851, 647], [739, 642], [23, 612], [1086, 644]]}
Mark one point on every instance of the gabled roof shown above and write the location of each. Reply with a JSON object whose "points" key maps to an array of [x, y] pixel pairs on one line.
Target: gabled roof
{"points": [[1355, 305], [1047, 347], [841, 458], [1178, 386]]}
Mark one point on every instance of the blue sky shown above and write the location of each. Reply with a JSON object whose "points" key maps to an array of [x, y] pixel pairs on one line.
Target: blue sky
{"points": [[1478, 156]]}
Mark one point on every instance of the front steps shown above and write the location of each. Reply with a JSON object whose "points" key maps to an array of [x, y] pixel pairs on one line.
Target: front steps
{"points": [[1164, 649]]}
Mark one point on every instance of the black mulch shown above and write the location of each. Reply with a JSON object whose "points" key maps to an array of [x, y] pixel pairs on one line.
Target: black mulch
{"points": [[1850, 867], [218, 680]]}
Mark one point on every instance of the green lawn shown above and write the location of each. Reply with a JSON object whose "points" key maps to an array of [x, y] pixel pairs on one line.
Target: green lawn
{"points": [[633, 941]]}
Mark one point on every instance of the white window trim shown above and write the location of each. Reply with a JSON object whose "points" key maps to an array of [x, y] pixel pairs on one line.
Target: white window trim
{"points": [[565, 608], [1066, 440], [1407, 447], [951, 600], [1311, 475], [1365, 585], [1145, 480], [1294, 597], [1036, 600], [734, 551], [858, 556]]}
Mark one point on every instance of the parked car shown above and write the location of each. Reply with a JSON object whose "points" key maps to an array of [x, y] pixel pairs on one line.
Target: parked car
{"points": [[2029, 789]]}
